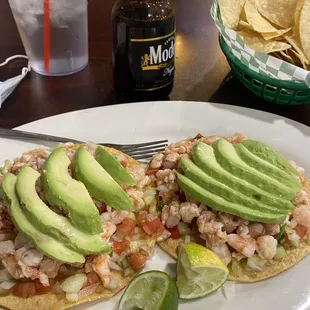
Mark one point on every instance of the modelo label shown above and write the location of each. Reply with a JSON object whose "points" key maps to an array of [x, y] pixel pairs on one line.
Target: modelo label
{"points": [[152, 62]]}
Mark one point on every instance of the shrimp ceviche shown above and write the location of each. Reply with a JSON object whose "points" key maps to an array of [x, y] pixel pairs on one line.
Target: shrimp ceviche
{"points": [[76, 223], [237, 197]]}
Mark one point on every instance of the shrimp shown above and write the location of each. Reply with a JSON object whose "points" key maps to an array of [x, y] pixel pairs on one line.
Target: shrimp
{"points": [[10, 263], [189, 211], [171, 161], [271, 229], [7, 248], [266, 247], [108, 229], [49, 267], [115, 217], [28, 272], [136, 197], [100, 265], [244, 245], [229, 221], [243, 230], [170, 215], [157, 161], [223, 252], [257, 229], [301, 198], [302, 216]]}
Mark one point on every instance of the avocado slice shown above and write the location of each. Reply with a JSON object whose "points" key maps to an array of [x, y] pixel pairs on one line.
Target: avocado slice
{"points": [[195, 174], [228, 158], [266, 167], [204, 158], [114, 167], [221, 204], [70, 195], [266, 153], [46, 244], [50, 223], [98, 182]]}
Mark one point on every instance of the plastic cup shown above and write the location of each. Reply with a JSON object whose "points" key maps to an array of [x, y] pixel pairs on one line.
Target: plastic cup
{"points": [[54, 34]]}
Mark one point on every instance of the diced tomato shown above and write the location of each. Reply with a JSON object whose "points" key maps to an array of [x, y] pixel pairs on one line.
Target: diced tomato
{"points": [[150, 171], [301, 230], [24, 289], [92, 278], [119, 247], [174, 231], [124, 163], [137, 260], [142, 218], [126, 228], [41, 289], [154, 228]]}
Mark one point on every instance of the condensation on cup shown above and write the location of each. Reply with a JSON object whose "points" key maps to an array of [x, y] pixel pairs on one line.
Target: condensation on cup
{"points": [[54, 34]]}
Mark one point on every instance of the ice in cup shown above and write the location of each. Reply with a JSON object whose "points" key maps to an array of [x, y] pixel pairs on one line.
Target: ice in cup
{"points": [[54, 34]]}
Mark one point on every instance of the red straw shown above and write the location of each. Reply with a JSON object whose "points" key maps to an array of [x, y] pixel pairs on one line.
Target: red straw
{"points": [[47, 35]]}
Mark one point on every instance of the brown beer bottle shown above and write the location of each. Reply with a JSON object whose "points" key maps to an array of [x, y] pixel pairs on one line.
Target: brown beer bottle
{"points": [[143, 48]]}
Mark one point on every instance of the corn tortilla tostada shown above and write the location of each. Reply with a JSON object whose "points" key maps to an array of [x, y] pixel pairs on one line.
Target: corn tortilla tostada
{"points": [[209, 192], [33, 275]]}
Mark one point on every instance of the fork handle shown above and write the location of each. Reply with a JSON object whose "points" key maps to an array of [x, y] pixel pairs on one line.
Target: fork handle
{"points": [[19, 134]]}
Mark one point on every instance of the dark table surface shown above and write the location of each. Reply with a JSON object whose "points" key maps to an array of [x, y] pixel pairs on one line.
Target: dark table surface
{"points": [[200, 76]]}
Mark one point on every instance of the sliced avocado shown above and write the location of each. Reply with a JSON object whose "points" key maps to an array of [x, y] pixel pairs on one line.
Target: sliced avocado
{"points": [[44, 243], [266, 167], [113, 167], [70, 195], [98, 182], [228, 158], [195, 174], [50, 223], [220, 204], [268, 154], [204, 158]]}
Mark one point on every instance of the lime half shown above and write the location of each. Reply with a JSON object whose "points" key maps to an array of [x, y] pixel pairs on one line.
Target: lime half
{"points": [[200, 272], [151, 290]]}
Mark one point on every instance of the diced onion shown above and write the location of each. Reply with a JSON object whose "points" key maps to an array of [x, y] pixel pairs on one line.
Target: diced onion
{"points": [[294, 239], [72, 297], [128, 272], [113, 284], [7, 285], [281, 253], [91, 145], [187, 239], [114, 266], [5, 275], [149, 196], [255, 263], [237, 270], [288, 230], [56, 288], [74, 283]]}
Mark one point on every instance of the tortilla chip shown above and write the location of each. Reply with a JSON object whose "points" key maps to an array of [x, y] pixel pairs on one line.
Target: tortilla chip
{"points": [[52, 301], [304, 28], [294, 255], [230, 12], [255, 42], [278, 12]]}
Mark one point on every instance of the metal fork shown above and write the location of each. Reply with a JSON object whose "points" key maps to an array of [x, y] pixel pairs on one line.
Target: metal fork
{"points": [[139, 151]]}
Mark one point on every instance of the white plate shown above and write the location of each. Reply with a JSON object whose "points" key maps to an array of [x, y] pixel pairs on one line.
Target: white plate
{"points": [[177, 120]]}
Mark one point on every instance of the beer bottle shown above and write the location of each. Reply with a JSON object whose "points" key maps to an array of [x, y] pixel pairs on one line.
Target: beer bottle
{"points": [[143, 48]]}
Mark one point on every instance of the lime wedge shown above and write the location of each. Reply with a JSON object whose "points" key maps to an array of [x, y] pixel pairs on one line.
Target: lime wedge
{"points": [[151, 290], [199, 272]]}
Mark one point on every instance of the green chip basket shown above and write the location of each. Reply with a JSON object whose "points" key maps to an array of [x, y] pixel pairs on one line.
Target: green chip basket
{"points": [[270, 89]]}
